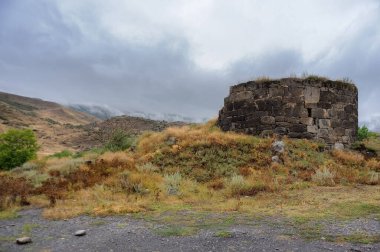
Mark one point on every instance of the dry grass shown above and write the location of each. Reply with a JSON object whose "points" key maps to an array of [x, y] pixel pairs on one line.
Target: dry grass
{"points": [[203, 169]]}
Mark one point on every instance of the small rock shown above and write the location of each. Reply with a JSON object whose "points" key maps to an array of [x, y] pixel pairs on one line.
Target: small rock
{"points": [[278, 146], [23, 240], [276, 159], [80, 233], [338, 146]]}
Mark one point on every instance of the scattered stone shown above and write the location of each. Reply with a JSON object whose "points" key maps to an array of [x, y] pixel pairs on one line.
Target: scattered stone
{"points": [[23, 240], [339, 146], [171, 140], [278, 147], [276, 159], [80, 233]]}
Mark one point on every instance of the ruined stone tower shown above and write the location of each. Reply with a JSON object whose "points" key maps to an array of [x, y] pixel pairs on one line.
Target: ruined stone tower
{"points": [[312, 108]]}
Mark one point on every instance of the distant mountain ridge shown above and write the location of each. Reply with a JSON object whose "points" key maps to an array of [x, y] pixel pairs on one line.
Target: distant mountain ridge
{"points": [[105, 112]]}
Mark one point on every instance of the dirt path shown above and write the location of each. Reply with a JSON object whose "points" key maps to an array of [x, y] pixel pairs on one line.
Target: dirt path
{"points": [[131, 234]]}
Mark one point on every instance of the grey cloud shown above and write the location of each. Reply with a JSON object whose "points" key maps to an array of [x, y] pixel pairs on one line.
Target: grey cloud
{"points": [[45, 54]]}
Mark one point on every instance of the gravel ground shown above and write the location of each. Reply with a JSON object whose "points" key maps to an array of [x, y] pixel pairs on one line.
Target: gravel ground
{"points": [[130, 234]]}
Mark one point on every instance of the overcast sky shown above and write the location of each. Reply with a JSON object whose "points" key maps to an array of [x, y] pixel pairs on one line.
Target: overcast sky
{"points": [[180, 56]]}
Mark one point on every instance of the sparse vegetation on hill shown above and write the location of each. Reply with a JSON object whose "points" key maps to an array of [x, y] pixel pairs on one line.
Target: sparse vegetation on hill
{"points": [[196, 166]]}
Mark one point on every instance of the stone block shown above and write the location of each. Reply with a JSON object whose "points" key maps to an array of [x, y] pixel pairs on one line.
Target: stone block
{"points": [[268, 120], [323, 133], [280, 119], [312, 94], [324, 123], [339, 132], [280, 131], [307, 120], [293, 120], [299, 128], [312, 129], [319, 113]]}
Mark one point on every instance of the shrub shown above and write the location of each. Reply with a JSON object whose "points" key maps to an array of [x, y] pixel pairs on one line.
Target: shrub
{"points": [[62, 154], [12, 189], [147, 167], [16, 148], [237, 184], [363, 133], [120, 141], [324, 177], [172, 183]]}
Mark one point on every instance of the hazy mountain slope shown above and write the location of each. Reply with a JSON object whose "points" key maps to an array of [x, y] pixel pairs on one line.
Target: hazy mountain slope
{"points": [[58, 127], [99, 132], [54, 124]]}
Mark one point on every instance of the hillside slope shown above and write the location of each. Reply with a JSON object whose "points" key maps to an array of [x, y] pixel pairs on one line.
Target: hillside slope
{"points": [[54, 124], [58, 127]]}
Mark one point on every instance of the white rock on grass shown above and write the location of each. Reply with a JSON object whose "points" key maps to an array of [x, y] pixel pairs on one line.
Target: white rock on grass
{"points": [[23, 240], [278, 146], [80, 233]]}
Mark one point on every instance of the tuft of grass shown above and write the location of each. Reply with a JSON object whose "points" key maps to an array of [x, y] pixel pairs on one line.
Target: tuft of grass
{"points": [[27, 228], [224, 234], [98, 223], [172, 183], [324, 177], [62, 154], [9, 214]]}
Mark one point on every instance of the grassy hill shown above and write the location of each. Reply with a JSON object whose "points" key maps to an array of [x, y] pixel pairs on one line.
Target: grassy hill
{"points": [[55, 125], [200, 168]]}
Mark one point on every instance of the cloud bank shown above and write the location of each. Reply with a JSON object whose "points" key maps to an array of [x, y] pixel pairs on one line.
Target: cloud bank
{"points": [[180, 57]]}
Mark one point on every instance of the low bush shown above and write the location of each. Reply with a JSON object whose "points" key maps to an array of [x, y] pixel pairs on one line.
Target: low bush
{"points": [[16, 148], [13, 190], [120, 141]]}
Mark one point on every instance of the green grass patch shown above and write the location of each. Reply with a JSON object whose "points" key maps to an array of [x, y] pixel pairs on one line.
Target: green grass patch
{"points": [[27, 228], [352, 210], [98, 223], [224, 234], [62, 154], [8, 214], [359, 238]]}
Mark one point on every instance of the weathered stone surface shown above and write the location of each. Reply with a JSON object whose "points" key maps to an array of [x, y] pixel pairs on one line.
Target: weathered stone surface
{"points": [[324, 124], [268, 120], [307, 120], [312, 94], [321, 109], [312, 129]]}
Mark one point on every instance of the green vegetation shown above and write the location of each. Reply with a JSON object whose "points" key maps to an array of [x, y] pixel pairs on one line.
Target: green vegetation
{"points": [[119, 141], [224, 234], [363, 133], [62, 154], [17, 147]]}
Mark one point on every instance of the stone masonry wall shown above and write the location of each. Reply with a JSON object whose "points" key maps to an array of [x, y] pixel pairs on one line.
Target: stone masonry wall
{"points": [[312, 108]]}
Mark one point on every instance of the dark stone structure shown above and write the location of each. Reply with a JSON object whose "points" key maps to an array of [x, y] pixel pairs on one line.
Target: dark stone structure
{"points": [[312, 108]]}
